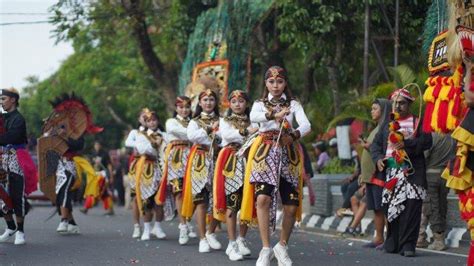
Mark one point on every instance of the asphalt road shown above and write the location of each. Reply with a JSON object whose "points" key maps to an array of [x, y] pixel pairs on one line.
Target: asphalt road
{"points": [[107, 241]]}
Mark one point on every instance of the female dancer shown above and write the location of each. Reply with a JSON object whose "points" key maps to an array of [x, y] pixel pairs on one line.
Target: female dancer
{"points": [[147, 172], [229, 173], [130, 143], [200, 168], [176, 156], [275, 164]]}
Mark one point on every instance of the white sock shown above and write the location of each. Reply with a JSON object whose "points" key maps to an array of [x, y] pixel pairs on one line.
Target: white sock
{"points": [[231, 242], [157, 224], [136, 225], [265, 248], [146, 226]]}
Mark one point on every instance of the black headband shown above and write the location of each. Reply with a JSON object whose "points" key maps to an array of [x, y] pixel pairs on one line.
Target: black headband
{"points": [[8, 93]]}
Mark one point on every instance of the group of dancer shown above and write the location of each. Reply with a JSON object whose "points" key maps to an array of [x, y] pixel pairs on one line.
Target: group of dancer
{"points": [[216, 167]]}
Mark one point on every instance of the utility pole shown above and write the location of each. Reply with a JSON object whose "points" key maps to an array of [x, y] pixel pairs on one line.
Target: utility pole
{"points": [[396, 39], [366, 48]]}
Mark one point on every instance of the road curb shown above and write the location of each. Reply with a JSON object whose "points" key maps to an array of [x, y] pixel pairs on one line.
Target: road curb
{"points": [[455, 238]]}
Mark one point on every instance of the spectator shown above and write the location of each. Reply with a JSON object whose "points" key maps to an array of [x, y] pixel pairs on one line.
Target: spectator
{"points": [[368, 198], [322, 155], [435, 206], [102, 159], [349, 186], [119, 170], [308, 174]]}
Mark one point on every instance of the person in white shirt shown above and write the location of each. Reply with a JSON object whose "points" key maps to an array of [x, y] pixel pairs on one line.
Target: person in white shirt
{"points": [[176, 158], [130, 143], [200, 168], [229, 172], [147, 171], [275, 164]]}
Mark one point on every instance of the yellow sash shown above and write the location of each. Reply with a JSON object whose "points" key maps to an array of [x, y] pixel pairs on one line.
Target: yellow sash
{"points": [[187, 209]]}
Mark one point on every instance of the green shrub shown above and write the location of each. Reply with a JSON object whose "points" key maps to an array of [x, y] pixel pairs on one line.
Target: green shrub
{"points": [[335, 167]]}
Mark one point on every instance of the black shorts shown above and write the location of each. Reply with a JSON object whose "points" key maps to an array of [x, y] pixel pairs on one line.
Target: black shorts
{"points": [[289, 195], [177, 185], [373, 194], [149, 204], [234, 200], [201, 197]]}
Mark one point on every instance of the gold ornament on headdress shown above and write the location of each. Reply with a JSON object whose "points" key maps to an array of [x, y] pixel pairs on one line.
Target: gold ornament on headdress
{"points": [[145, 110], [148, 114], [274, 73], [207, 92], [236, 94], [182, 102]]}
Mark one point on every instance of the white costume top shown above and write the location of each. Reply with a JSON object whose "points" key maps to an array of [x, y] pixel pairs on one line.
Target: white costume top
{"points": [[230, 134], [132, 137], [197, 134], [257, 115], [142, 144], [175, 130]]}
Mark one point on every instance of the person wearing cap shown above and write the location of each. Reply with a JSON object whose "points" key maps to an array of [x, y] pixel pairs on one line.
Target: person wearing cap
{"points": [[197, 191], [404, 180], [275, 165], [17, 171], [333, 153]]}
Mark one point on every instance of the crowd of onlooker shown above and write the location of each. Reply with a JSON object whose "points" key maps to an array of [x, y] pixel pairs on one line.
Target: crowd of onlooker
{"points": [[361, 194]]}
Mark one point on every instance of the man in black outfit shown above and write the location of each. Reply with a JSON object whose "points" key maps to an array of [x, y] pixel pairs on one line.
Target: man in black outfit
{"points": [[12, 178], [404, 182]]}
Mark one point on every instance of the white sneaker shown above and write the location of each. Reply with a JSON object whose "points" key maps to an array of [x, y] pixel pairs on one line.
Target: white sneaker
{"points": [[183, 234], [145, 235], [228, 249], [7, 235], [281, 254], [19, 238], [62, 227], [191, 232], [73, 229], [264, 257], [204, 246], [158, 231], [243, 246], [233, 252], [136, 231], [213, 242]]}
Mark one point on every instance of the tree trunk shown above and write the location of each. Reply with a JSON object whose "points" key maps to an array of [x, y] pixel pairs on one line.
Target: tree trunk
{"points": [[333, 74], [309, 80], [269, 42], [149, 56]]}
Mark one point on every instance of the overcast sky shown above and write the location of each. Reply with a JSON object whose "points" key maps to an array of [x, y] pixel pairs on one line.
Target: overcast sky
{"points": [[27, 49]]}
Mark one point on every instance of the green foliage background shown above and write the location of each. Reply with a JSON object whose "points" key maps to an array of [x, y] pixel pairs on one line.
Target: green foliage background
{"points": [[109, 72]]}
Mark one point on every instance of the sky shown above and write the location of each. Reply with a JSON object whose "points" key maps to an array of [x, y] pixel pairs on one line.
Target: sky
{"points": [[29, 49]]}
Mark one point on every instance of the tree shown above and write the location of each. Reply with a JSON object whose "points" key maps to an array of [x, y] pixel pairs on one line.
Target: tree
{"points": [[148, 21]]}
